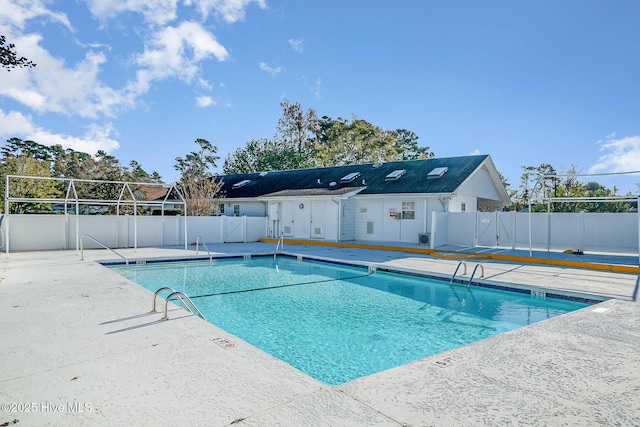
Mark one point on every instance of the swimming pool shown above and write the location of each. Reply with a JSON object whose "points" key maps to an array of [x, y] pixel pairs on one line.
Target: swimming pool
{"points": [[339, 322]]}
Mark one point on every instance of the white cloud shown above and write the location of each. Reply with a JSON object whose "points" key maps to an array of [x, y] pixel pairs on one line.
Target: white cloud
{"points": [[157, 11], [204, 101], [273, 71], [15, 15], [297, 45], [229, 10], [15, 124], [52, 87], [176, 52], [621, 155], [474, 152]]}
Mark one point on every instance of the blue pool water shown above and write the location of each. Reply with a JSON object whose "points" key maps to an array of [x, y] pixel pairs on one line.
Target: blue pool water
{"points": [[338, 323]]}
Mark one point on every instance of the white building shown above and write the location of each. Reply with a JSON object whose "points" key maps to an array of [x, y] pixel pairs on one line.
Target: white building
{"points": [[384, 202]]}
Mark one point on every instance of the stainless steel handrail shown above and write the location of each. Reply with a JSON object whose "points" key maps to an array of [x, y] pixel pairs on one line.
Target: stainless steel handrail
{"points": [[461, 263], [474, 273], [101, 244], [199, 239], [280, 240], [189, 305], [155, 295]]}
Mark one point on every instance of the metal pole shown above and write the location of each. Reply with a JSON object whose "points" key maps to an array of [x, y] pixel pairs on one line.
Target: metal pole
{"points": [[6, 212]]}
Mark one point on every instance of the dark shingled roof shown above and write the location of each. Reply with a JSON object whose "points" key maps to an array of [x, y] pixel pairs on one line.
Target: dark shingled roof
{"points": [[326, 181]]}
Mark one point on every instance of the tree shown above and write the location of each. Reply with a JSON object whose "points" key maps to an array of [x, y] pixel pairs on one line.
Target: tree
{"points": [[57, 162], [551, 184], [343, 143], [296, 133], [405, 143], [201, 194], [531, 186], [257, 155], [23, 165], [9, 58], [302, 141], [197, 163], [197, 183]]}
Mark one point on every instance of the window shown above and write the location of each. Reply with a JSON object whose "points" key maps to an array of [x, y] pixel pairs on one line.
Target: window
{"points": [[408, 210], [463, 207], [437, 172], [369, 227], [241, 183], [220, 209], [395, 174], [236, 210], [348, 178]]}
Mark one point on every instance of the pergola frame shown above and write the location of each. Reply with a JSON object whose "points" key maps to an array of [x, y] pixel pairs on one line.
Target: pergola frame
{"points": [[608, 199], [71, 198]]}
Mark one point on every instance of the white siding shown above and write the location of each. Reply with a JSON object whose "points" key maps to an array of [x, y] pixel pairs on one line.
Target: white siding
{"points": [[385, 217], [368, 210], [479, 185], [470, 204], [246, 208]]}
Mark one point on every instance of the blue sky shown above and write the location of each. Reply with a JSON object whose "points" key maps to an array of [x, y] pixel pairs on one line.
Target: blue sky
{"points": [[527, 82]]}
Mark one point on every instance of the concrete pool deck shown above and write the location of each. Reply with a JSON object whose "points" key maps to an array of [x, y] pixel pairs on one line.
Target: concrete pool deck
{"points": [[79, 347]]}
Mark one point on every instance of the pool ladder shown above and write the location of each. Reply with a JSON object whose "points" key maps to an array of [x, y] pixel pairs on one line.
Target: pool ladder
{"points": [[278, 245], [126, 261], [199, 239], [181, 297], [464, 264]]}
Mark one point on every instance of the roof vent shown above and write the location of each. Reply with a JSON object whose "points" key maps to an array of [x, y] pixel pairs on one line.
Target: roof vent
{"points": [[395, 174], [263, 173], [348, 178], [376, 165], [241, 183], [437, 172], [333, 184]]}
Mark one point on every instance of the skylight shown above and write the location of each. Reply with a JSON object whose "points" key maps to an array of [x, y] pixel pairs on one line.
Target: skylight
{"points": [[395, 174], [437, 172], [350, 177], [241, 183]]}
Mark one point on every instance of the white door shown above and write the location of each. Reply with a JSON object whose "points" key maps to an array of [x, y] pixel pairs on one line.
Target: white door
{"points": [[317, 219], [302, 220], [288, 218]]}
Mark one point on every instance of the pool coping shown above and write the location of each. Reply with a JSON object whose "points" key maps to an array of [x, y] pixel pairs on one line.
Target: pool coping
{"points": [[93, 341]]}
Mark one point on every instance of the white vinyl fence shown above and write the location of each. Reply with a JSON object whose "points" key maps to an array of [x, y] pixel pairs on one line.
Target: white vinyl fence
{"points": [[53, 232], [588, 232], [593, 232]]}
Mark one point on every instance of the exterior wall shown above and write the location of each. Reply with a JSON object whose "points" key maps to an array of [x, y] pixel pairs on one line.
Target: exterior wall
{"points": [[456, 204], [247, 208], [479, 185], [368, 219], [382, 219]]}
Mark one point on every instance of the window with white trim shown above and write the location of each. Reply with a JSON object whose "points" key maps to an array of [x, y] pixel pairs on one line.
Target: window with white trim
{"points": [[408, 210]]}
